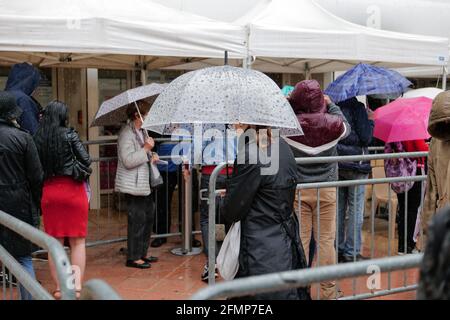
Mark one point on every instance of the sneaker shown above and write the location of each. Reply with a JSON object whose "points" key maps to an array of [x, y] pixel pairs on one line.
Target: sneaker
{"points": [[359, 257], [205, 273]]}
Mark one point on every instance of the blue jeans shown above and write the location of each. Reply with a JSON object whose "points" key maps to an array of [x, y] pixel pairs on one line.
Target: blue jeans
{"points": [[27, 264], [350, 202]]}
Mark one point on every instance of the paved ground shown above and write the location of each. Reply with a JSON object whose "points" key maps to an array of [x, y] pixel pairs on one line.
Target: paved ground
{"points": [[176, 277]]}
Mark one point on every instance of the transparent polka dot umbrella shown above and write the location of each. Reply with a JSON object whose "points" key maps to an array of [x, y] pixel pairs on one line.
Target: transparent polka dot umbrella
{"points": [[222, 95]]}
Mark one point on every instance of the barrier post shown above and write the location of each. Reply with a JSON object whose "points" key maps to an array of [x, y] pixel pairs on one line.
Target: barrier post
{"points": [[186, 231]]}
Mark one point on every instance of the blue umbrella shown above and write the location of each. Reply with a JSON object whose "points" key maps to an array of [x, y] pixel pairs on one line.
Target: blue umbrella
{"points": [[364, 79]]}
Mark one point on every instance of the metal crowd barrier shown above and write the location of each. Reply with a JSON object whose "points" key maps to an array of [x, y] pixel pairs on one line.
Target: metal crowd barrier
{"points": [[11, 268], [306, 277], [335, 184], [110, 217], [56, 251], [98, 290]]}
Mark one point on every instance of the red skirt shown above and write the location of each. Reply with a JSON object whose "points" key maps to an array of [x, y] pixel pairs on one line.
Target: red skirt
{"points": [[65, 207]]}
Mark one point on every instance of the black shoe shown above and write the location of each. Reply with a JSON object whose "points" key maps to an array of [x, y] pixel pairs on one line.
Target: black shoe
{"points": [[359, 257], [158, 242], [150, 259], [341, 258], [196, 243], [205, 274], [133, 264]]}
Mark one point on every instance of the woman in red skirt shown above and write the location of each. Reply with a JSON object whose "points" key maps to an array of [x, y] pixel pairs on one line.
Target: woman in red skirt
{"points": [[64, 201]]}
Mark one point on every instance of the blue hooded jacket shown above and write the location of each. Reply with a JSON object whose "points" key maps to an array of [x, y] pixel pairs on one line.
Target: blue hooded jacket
{"points": [[359, 138], [23, 79]]}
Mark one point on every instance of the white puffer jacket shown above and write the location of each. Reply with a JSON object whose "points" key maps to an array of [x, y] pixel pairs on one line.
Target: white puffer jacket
{"points": [[133, 172]]}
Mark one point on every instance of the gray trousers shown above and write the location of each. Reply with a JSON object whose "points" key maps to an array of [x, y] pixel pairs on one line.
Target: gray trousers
{"points": [[141, 215]]}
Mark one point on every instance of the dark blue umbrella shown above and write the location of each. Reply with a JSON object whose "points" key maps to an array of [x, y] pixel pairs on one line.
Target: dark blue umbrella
{"points": [[364, 79]]}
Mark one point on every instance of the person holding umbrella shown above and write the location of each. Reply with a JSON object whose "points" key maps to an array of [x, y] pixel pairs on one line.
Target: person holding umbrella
{"points": [[264, 205], [133, 179], [351, 199], [133, 173], [402, 125], [219, 96]]}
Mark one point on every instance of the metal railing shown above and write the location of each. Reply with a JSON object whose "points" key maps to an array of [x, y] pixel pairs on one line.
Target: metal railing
{"points": [[334, 184], [306, 277], [93, 289], [98, 290], [55, 249]]}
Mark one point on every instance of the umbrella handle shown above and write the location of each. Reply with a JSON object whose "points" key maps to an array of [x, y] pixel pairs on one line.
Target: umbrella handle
{"points": [[142, 119]]}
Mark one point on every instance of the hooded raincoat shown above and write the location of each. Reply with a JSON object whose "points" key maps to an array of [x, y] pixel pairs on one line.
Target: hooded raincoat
{"points": [[323, 126], [23, 79], [438, 181]]}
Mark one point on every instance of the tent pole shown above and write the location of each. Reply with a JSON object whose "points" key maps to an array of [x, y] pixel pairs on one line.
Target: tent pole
{"points": [[307, 71], [143, 76], [444, 78]]}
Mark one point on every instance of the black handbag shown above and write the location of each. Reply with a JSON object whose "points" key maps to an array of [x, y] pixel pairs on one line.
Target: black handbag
{"points": [[80, 172]]}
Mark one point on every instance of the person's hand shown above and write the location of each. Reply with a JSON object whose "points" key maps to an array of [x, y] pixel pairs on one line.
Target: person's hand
{"points": [[223, 193], [327, 99], [186, 173], [370, 114], [149, 144], [155, 157]]}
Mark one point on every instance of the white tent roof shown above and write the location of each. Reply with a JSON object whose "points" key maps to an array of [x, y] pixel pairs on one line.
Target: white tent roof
{"points": [[132, 27], [294, 35], [303, 29]]}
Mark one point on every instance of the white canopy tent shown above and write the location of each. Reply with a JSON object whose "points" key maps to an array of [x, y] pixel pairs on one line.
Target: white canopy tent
{"points": [[300, 36], [110, 33], [425, 17]]}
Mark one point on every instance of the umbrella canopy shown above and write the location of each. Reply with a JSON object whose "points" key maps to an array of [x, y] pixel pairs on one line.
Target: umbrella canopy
{"points": [[113, 111], [423, 92], [403, 120], [287, 90], [364, 79], [222, 95]]}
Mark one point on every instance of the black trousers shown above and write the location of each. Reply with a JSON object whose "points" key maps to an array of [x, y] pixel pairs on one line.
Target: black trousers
{"points": [[141, 215], [164, 196], [413, 202]]}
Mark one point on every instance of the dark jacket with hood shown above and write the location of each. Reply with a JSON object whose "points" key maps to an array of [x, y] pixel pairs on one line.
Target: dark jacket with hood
{"points": [[437, 193], [23, 79], [360, 136], [270, 239], [323, 127], [21, 179]]}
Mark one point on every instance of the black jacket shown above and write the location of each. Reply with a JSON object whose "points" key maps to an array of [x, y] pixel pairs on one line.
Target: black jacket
{"points": [[270, 239], [63, 159], [21, 179], [359, 138]]}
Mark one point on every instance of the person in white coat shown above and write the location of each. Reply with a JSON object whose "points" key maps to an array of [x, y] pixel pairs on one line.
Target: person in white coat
{"points": [[133, 179]]}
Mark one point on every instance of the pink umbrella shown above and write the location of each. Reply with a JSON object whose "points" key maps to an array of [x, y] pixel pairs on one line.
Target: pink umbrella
{"points": [[403, 120]]}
